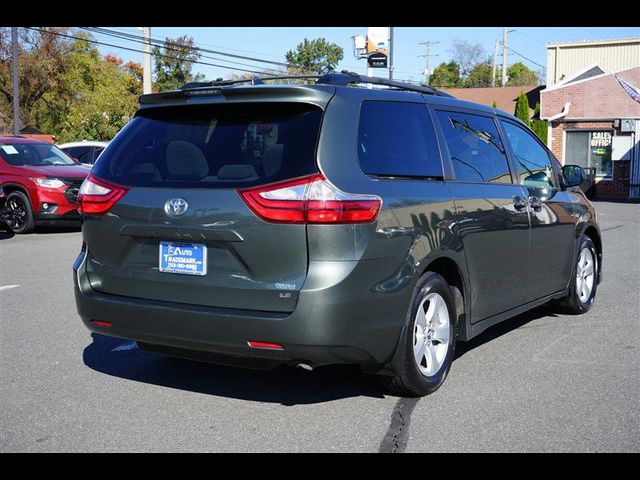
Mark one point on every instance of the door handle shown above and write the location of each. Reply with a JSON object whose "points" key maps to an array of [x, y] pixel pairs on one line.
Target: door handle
{"points": [[519, 203], [535, 203]]}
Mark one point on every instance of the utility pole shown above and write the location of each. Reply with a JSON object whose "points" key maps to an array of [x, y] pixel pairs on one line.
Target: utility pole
{"points": [[495, 64], [391, 42], [15, 79], [428, 55], [504, 56], [146, 62]]}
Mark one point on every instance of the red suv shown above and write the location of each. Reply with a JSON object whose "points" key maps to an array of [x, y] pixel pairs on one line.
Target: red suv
{"points": [[40, 182]]}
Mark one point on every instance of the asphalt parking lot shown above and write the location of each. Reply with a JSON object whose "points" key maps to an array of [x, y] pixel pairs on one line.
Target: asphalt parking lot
{"points": [[539, 382]]}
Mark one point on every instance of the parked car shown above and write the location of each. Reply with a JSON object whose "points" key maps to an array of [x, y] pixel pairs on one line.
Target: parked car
{"points": [[41, 183], [85, 152], [323, 224]]}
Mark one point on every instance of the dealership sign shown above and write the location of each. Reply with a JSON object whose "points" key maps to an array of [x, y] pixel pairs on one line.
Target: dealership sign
{"points": [[377, 47], [601, 139], [377, 60]]}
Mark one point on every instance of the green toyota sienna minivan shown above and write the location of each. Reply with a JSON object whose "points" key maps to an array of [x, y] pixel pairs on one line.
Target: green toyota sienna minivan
{"points": [[326, 222]]}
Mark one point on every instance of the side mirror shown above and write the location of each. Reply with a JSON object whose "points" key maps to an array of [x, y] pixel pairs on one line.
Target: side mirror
{"points": [[573, 175]]}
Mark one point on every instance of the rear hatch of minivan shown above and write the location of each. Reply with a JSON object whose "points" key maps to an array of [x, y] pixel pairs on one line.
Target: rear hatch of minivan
{"points": [[175, 227]]}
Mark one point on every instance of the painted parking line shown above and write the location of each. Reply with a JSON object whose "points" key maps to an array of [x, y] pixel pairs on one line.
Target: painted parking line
{"points": [[8, 287]]}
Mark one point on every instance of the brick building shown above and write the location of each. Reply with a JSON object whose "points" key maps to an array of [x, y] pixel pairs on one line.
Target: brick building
{"points": [[594, 122], [505, 98]]}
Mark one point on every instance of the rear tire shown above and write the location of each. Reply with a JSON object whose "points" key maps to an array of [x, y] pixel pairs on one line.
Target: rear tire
{"points": [[584, 279], [431, 319], [19, 214]]}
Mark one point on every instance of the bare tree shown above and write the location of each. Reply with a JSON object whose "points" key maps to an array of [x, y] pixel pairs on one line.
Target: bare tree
{"points": [[467, 55]]}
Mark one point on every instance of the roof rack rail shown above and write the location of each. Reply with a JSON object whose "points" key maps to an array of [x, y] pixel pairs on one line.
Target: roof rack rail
{"points": [[255, 80], [345, 78]]}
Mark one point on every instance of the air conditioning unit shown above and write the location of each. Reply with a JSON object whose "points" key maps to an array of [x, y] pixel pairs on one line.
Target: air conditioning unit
{"points": [[627, 125]]}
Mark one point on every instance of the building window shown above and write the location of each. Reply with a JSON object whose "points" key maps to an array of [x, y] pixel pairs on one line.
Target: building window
{"points": [[591, 149]]}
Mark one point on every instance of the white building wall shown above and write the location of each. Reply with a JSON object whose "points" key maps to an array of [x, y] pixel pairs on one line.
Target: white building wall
{"points": [[611, 55]]}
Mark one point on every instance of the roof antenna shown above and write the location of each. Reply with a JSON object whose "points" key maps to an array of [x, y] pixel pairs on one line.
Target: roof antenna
{"points": [[256, 80]]}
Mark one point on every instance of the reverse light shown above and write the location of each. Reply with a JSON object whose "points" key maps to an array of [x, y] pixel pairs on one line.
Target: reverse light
{"points": [[48, 182], [310, 200], [97, 197]]}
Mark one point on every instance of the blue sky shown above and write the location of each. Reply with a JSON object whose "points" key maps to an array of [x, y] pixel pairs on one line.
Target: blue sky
{"points": [[271, 43]]}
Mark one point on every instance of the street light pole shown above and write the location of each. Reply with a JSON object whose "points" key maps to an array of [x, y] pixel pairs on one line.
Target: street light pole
{"points": [[15, 80]]}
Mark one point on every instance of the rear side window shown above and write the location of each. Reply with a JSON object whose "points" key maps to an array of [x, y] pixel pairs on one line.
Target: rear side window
{"points": [[476, 151], [397, 139], [213, 146]]}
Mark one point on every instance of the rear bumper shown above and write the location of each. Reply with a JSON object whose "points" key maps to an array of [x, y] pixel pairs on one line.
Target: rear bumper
{"points": [[333, 325]]}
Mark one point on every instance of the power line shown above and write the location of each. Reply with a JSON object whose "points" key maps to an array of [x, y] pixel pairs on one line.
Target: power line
{"points": [[530, 37], [138, 38], [169, 46], [138, 51], [212, 46], [342, 66], [526, 58]]}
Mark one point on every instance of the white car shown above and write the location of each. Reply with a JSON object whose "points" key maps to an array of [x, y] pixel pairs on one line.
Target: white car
{"points": [[86, 152]]}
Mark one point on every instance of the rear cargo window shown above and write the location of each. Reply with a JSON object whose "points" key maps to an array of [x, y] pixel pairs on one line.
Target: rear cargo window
{"points": [[397, 139], [213, 146]]}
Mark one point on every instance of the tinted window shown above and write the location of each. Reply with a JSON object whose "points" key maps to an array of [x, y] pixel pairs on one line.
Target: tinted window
{"points": [[397, 139], [209, 146], [531, 159], [96, 153], [34, 154], [82, 154], [476, 151]]}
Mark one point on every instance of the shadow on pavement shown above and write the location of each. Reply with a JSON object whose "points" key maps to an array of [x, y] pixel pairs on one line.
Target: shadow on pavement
{"points": [[6, 233], [548, 310], [45, 230], [284, 385]]}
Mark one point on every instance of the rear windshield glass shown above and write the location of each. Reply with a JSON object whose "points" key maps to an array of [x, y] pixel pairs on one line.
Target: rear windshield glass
{"points": [[207, 146]]}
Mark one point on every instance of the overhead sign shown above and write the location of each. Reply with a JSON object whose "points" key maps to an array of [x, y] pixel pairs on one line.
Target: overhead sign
{"points": [[378, 40], [378, 47], [377, 60]]}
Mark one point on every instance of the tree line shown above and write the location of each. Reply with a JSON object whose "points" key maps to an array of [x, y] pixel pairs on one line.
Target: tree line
{"points": [[470, 67]]}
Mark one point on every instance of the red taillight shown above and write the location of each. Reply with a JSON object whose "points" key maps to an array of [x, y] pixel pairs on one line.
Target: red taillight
{"points": [[310, 199], [96, 197], [268, 345]]}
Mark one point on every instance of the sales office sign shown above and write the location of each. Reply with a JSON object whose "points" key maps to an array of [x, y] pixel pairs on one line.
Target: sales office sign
{"points": [[601, 139]]}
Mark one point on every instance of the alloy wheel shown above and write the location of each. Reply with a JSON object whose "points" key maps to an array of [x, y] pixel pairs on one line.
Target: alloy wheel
{"points": [[585, 275], [17, 213], [431, 334]]}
